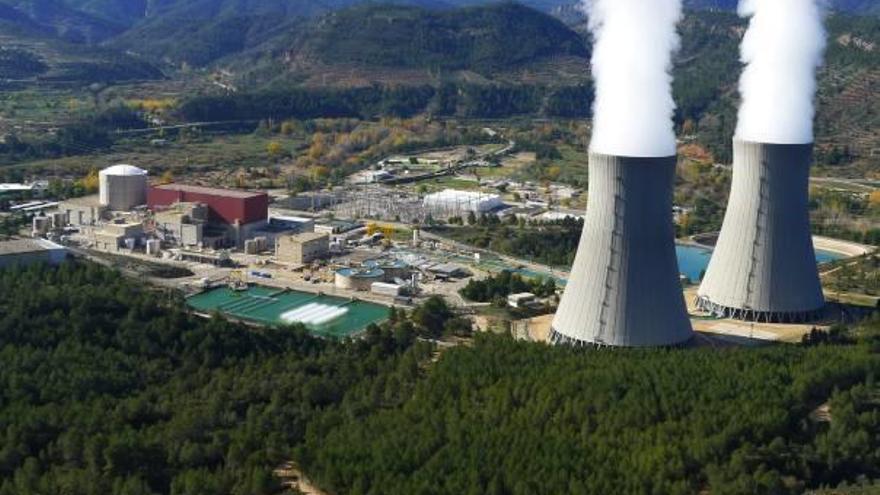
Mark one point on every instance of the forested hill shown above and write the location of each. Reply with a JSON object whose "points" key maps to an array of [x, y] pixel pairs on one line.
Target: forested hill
{"points": [[31, 51], [55, 17], [478, 38]]}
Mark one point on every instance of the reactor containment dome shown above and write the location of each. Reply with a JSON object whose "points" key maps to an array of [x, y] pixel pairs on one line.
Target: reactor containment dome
{"points": [[624, 287], [122, 187], [764, 265]]}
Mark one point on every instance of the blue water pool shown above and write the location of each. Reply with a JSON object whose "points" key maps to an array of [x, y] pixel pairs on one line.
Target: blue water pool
{"points": [[693, 260]]}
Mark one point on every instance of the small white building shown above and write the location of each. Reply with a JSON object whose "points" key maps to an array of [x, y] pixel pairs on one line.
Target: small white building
{"points": [[521, 300]]}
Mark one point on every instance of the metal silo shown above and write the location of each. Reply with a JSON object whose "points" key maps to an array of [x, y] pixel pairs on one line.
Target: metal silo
{"points": [[764, 265], [624, 287], [122, 187]]}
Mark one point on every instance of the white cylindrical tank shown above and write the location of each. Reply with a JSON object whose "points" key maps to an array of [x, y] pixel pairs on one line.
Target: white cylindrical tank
{"points": [[154, 247], [123, 187]]}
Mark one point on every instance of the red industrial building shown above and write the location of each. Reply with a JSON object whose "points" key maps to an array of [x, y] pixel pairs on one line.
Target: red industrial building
{"points": [[225, 206]]}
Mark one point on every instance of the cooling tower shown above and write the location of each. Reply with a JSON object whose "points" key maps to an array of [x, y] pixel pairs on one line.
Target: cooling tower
{"points": [[764, 266], [624, 287]]}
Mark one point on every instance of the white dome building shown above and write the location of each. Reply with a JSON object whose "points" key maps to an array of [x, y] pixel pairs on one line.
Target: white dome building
{"points": [[123, 187]]}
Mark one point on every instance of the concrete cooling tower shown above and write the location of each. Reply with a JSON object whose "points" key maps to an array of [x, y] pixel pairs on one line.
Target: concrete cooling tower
{"points": [[764, 266], [624, 287]]}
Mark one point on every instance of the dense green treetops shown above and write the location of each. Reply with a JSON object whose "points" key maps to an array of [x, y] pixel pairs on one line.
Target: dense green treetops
{"points": [[107, 386]]}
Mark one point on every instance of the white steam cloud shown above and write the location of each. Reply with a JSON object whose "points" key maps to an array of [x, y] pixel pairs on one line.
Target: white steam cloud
{"points": [[782, 49], [632, 60]]}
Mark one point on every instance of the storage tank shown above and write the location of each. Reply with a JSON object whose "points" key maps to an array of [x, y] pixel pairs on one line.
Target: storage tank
{"points": [[764, 265], [358, 279], [41, 226], [154, 247], [624, 287], [123, 187], [59, 219]]}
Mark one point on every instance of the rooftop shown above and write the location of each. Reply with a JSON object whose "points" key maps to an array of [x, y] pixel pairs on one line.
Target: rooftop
{"points": [[309, 236], [123, 169], [216, 191], [16, 187], [93, 200], [21, 246]]}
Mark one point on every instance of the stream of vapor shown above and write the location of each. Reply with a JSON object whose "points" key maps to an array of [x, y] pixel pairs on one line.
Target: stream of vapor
{"points": [[782, 48], [634, 41]]}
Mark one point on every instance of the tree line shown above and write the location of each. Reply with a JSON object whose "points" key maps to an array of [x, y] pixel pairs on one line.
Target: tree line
{"points": [[449, 99]]}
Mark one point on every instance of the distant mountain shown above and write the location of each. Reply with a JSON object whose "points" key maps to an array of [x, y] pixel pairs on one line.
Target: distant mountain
{"points": [[48, 47], [385, 43], [65, 22], [217, 28], [478, 38], [858, 7]]}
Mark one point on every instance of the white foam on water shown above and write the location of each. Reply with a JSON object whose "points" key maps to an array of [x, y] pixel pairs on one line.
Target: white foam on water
{"points": [[314, 314]]}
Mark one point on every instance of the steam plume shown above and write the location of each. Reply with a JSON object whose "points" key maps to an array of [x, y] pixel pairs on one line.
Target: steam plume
{"points": [[782, 49], [632, 59]]}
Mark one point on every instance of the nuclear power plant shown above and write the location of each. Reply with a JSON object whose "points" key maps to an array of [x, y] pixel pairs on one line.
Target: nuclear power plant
{"points": [[624, 286], [764, 265]]}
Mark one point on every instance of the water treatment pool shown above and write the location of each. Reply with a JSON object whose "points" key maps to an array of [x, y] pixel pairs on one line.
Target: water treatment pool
{"points": [[323, 315], [693, 260]]}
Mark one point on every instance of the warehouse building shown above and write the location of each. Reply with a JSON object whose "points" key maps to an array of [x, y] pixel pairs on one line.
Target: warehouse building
{"points": [[452, 202], [22, 252], [236, 214], [299, 249]]}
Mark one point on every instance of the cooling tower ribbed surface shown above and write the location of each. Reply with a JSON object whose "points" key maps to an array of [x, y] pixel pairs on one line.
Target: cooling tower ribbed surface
{"points": [[764, 265], [624, 287]]}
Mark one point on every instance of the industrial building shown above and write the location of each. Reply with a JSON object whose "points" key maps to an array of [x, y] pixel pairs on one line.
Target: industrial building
{"points": [[764, 264], [43, 224], [521, 300], [84, 211], [18, 190], [113, 237], [22, 252], [122, 187], [624, 286], [451, 202], [299, 249], [237, 214], [183, 224], [337, 226]]}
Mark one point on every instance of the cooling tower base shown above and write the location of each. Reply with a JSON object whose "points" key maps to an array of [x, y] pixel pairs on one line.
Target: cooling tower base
{"points": [[745, 314], [557, 338]]}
